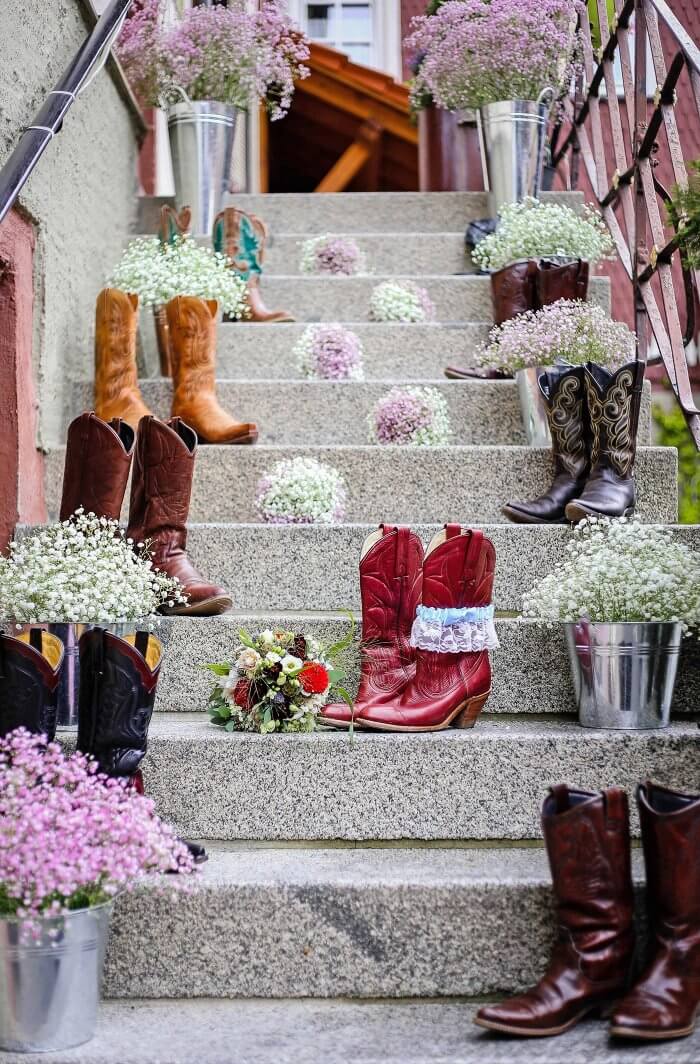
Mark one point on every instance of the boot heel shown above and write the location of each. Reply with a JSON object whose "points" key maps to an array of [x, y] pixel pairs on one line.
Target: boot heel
{"points": [[466, 718]]}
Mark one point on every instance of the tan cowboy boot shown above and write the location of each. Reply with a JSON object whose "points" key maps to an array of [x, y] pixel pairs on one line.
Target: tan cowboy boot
{"points": [[117, 392], [192, 324], [242, 238]]}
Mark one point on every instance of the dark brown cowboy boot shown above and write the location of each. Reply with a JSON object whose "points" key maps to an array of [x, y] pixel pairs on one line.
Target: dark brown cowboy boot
{"points": [[554, 282], [98, 460], [588, 844], [614, 399], [161, 487], [563, 390], [30, 670], [664, 1002]]}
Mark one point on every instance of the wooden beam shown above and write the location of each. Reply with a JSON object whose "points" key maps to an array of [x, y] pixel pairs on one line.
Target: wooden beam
{"points": [[364, 148]]}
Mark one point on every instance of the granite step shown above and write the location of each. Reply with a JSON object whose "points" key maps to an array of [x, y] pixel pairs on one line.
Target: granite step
{"points": [[355, 212], [336, 1032], [402, 485], [322, 412], [482, 784]]}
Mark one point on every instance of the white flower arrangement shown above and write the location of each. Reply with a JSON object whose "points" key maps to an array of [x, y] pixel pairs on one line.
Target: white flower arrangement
{"points": [[82, 570], [414, 417], [620, 570], [400, 300], [301, 491], [533, 230], [337, 255], [329, 352], [158, 272]]}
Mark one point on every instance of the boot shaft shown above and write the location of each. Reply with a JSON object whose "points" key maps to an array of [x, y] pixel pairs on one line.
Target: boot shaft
{"points": [[390, 585], [30, 669], [555, 282], [192, 329], [118, 679], [670, 822], [116, 322], [513, 290], [98, 460], [241, 237], [563, 389], [614, 399]]}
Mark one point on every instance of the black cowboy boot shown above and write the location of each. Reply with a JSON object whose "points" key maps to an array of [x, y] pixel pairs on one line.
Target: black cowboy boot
{"points": [[613, 409], [564, 394], [118, 680], [30, 668]]}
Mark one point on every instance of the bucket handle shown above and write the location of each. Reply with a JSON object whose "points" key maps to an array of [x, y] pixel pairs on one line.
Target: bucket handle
{"points": [[546, 97], [183, 94]]}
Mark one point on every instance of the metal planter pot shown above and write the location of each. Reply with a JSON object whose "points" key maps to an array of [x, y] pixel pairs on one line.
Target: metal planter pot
{"points": [[50, 986], [514, 135], [533, 408], [624, 673], [201, 136]]}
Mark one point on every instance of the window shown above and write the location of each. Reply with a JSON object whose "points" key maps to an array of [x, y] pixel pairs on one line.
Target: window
{"points": [[345, 25]]}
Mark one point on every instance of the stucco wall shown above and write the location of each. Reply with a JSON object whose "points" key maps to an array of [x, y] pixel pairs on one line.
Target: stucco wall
{"points": [[81, 197]]}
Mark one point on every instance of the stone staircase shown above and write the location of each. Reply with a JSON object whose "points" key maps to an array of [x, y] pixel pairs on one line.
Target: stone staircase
{"points": [[393, 866]]}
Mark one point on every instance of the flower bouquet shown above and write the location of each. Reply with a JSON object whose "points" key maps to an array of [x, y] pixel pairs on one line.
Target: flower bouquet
{"points": [[413, 416], [70, 840], [279, 681], [330, 353], [301, 491], [400, 300], [336, 255], [534, 230]]}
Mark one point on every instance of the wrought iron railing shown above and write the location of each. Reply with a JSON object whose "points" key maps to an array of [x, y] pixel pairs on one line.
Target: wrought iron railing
{"points": [[84, 66], [613, 131]]}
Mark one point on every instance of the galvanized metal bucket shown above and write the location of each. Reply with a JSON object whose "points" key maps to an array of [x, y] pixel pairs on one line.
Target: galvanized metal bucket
{"points": [[533, 408], [50, 985], [201, 136], [624, 673], [513, 139]]}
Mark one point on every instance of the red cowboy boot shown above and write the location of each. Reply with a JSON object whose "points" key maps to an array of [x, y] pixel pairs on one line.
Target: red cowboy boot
{"points": [[390, 586], [588, 845], [665, 1001], [453, 633], [98, 460]]}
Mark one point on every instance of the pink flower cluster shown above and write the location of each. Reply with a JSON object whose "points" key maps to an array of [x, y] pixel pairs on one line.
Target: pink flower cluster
{"points": [[474, 52], [70, 837], [331, 353], [412, 416], [338, 255]]}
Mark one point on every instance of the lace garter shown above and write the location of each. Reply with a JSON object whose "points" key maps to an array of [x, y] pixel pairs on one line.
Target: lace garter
{"points": [[454, 631]]}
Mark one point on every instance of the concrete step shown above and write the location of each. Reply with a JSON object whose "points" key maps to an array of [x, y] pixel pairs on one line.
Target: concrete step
{"points": [[485, 783], [456, 298], [531, 673], [481, 412], [336, 1032], [402, 485], [385, 253], [356, 212]]}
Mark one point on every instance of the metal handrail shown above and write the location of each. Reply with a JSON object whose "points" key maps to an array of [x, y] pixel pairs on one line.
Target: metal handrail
{"points": [[633, 187], [78, 75]]}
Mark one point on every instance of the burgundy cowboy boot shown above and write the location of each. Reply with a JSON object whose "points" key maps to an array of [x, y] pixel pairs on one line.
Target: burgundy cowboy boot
{"points": [[614, 399], [390, 588], [30, 669], [453, 633], [161, 487], [512, 293], [664, 1002], [554, 282], [588, 845], [564, 394], [98, 460]]}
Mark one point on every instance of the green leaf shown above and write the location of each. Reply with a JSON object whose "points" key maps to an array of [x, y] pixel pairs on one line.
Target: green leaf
{"points": [[335, 675], [231, 726], [346, 641], [246, 639], [218, 669]]}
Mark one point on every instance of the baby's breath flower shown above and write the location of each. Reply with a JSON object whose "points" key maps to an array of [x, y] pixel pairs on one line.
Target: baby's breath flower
{"points": [[400, 300], [329, 352], [339, 255], [534, 230], [411, 416], [301, 491]]}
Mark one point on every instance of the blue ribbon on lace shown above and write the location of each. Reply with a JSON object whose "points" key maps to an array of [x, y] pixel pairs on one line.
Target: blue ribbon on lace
{"points": [[477, 614]]}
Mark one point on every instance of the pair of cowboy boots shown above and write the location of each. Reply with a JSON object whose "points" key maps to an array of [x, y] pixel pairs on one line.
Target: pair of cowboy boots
{"points": [[588, 843], [242, 238], [593, 415], [99, 457], [528, 284], [427, 628], [118, 681], [192, 343]]}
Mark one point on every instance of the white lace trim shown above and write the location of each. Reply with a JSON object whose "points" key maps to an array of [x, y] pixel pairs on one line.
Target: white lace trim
{"points": [[462, 637]]}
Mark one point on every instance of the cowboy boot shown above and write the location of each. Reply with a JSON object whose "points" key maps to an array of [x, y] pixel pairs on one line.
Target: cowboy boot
{"points": [[452, 633], [174, 226], [665, 1000], [192, 324], [564, 394], [588, 845], [98, 460], [161, 486], [117, 393], [390, 587], [30, 669], [242, 238], [613, 407], [554, 282], [512, 293]]}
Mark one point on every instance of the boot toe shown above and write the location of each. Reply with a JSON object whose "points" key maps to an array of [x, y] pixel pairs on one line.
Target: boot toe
{"points": [[338, 715], [509, 1016], [203, 600]]}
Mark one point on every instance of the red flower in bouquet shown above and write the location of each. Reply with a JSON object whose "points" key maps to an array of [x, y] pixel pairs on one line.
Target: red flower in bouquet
{"points": [[241, 694], [314, 678]]}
